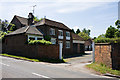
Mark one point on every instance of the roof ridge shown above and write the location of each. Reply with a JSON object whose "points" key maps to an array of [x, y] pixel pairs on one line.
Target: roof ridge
{"points": [[20, 17], [27, 28]]}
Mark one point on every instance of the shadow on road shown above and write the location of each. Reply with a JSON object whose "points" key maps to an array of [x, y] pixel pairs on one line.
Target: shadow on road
{"points": [[78, 55]]}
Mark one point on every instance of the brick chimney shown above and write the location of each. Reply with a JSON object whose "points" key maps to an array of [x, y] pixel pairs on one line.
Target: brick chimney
{"points": [[30, 19]]}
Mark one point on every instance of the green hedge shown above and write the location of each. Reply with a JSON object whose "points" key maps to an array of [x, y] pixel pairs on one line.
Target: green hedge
{"points": [[107, 40], [34, 42]]}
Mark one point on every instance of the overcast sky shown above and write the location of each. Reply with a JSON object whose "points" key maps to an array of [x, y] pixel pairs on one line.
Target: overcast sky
{"points": [[96, 15]]}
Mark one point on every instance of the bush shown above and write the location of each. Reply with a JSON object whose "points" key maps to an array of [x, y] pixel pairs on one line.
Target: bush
{"points": [[2, 34], [107, 40], [34, 42]]}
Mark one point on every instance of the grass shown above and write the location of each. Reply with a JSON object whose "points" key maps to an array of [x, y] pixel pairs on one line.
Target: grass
{"points": [[101, 68], [34, 60]]}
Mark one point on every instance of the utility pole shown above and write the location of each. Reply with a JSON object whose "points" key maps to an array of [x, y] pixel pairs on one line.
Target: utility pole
{"points": [[34, 8]]}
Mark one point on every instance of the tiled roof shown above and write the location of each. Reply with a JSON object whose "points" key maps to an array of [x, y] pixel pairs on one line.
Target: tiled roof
{"points": [[27, 29], [45, 21], [77, 37], [22, 20]]}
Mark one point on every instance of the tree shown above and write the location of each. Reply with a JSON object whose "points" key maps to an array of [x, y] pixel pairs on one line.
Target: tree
{"points": [[78, 31], [117, 34], [101, 36], [3, 25], [73, 31], [86, 31], [117, 23], [84, 36], [36, 19], [110, 32]]}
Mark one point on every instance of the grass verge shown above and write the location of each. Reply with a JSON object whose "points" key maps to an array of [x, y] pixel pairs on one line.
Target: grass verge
{"points": [[101, 68], [34, 60]]}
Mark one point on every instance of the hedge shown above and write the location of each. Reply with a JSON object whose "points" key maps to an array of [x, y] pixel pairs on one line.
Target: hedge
{"points": [[107, 40], [34, 42]]}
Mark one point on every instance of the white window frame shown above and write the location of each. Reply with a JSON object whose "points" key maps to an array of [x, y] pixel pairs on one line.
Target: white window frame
{"points": [[67, 42], [52, 31], [34, 36], [60, 36], [53, 40], [67, 36]]}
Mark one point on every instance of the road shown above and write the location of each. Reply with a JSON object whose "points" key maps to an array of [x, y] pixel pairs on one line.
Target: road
{"points": [[13, 68]]}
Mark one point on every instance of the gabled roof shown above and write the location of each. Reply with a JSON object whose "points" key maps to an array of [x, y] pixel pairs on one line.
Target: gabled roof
{"points": [[22, 20], [45, 21], [27, 29], [77, 37]]}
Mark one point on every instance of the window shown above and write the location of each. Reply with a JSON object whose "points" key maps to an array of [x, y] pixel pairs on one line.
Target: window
{"points": [[32, 38], [52, 31], [67, 44], [67, 34], [60, 33], [53, 40], [39, 38]]}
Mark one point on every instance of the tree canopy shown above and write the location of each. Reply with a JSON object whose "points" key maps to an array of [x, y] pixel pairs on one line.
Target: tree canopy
{"points": [[117, 23], [86, 31], [73, 31], [84, 36], [110, 32], [78, 31]]}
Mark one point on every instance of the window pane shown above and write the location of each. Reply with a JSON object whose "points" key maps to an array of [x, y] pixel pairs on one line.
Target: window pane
{"points": [[31, 38], [39, 38], [67, 44]]}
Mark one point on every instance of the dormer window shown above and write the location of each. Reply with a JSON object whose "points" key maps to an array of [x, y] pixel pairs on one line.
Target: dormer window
{"points": [[52, 31]]}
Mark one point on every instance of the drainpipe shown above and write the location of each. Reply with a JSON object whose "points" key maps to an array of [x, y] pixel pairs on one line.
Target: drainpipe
{"points": [[60, 51], [93, 51]]}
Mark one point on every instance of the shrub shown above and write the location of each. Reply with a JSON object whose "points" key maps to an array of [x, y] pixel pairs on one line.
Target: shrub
{"points": [[34, 42], [107, 40]]}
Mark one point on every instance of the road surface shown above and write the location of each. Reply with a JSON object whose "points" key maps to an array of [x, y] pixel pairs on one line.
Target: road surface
{"points": [[13, 68]]}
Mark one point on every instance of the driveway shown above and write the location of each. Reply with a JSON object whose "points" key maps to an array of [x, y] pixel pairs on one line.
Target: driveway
{"points": [[77, 63], [87, 58]]}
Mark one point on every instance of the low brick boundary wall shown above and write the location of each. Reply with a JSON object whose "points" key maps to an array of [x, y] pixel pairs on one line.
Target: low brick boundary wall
{"points": [[17, 45], [108, 54], [34, 51]]}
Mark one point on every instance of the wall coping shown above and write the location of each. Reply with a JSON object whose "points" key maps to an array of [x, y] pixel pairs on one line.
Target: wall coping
{"points": [[102, 43]]}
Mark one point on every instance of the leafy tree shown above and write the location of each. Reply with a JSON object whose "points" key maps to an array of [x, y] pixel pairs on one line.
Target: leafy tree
{"points": [[78, 31], [36, 19], [12, 28], [94, 38], [84, 35], [101, 36], [86, 31], [73, 31], [110, 32], [3, 25], [117, 23], [117, 34]]}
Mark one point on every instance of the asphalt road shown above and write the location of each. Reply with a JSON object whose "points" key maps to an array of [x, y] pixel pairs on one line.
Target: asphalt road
{"points": [[13, 68]]}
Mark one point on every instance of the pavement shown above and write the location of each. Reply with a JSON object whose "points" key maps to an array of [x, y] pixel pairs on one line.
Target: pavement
{"points": [[13, 68]]}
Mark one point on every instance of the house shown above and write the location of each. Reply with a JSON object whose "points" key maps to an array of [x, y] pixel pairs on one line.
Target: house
{"points": [[56, 31], [18, 22], [78, 44], [88, 45]]}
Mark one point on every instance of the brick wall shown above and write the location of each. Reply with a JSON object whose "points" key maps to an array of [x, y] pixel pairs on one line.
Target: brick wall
{"points": [[17, 45], [108, 54]]}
